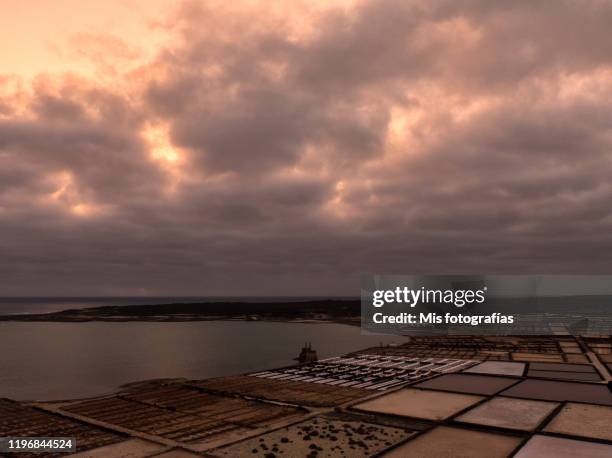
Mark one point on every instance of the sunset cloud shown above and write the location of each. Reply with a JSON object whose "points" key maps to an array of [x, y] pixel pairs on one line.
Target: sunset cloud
{"points": [[287, 149]]}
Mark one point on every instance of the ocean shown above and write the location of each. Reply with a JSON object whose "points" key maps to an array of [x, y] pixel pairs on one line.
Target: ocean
{"points": [[51, 361]]}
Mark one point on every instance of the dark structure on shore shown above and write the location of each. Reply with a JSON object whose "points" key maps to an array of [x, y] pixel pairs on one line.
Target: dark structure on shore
{"points": [[307, 355]]}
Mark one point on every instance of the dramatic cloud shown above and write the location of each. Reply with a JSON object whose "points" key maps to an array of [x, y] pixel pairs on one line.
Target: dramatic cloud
{"points": [[289, 149]]}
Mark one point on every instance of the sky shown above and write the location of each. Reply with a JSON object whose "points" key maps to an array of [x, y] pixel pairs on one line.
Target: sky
{"points": [[287, 148]]}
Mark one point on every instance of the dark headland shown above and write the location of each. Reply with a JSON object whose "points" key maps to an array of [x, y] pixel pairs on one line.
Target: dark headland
{"points": [[324, 310]]}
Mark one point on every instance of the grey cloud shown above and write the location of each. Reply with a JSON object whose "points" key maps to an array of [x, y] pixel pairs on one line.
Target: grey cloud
{"points": [[102, 152], [288, 183]]}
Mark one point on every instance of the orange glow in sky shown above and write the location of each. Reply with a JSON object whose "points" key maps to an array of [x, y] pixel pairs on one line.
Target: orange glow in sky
{"points": [[39, 36]]}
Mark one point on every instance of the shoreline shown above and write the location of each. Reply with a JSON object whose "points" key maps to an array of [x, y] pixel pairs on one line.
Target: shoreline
{"points": [[317, 311], [351, 321]]}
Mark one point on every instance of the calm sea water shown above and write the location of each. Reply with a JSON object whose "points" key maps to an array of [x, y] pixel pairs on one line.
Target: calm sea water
{"points": [[30, 305], [50, 361]]}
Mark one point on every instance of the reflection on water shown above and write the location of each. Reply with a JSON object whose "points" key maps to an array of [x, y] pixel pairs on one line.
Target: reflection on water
{"points": [[69, 360]]}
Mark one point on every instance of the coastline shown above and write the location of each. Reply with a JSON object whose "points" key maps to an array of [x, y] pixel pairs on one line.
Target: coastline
{"points": [[316, 311]]}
